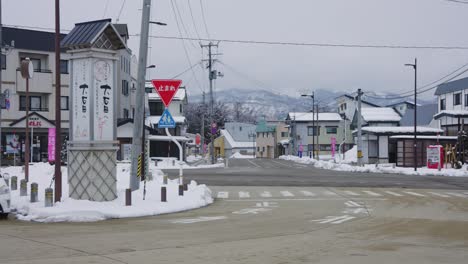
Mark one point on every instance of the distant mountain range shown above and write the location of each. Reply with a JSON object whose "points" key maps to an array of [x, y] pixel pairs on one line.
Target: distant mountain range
{"points": [[274, 105]]}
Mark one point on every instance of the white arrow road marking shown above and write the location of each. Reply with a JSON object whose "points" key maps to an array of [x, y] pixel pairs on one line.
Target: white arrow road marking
{"points": [[286, 194], [334, 219], [360, 210], [329, 193], [439, 194], [456, 194], [416, 194], [372, 193], [351, 193], [265, 194], [352, 204], [223, 195], [307, 193], [198, 219], [244, 194], [252, 210], [394, 193]]}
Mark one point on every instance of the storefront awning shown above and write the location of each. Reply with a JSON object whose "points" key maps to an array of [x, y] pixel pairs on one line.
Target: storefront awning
{"points": [[35, 121]]}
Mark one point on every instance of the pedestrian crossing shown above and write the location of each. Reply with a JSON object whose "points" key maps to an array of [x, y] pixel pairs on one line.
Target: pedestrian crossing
{"points": [[322, 193]]}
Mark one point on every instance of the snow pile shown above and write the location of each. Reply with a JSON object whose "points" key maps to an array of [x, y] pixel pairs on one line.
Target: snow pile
{"points": [[372, 168], [237, 155], [193, 158], [70, 210]]}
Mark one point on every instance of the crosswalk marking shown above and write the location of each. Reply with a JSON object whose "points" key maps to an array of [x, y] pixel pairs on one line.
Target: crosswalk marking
{"points": [[244, 194], [351, 193], [372, 193], [307, 193], [223, 195], [456, 194], [265, 194], [286, 194], [334, 219], [394, 193], [439, 194], [415, 194]]}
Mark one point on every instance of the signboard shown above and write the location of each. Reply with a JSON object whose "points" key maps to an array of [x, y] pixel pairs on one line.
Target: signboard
{"points": [[198, 139], [126, 151], [166, 89], [103, 100], [81, 98], [13, 144], [166, 120], [435, 157], [333, 146], [34, 121], [51, 145]]}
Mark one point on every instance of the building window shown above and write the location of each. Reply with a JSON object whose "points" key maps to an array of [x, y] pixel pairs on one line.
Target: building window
{"points": [[442, 104], [312, 131], [284, 134], [332, 130], [3, 58], [457, 99], [240, 128], [124, 87], [35, 103], [63, 102], [156, 108], [64, 66], [466, 99], [181, 109], [125, 113]]}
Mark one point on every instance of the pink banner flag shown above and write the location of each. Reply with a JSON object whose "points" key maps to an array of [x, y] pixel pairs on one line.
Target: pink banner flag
{"points": [[333, 146], [51, 148]]}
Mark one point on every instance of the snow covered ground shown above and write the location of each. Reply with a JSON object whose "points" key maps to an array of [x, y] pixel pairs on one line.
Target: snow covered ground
{"points": [[71, 210], [237, 155], [372, 168]]}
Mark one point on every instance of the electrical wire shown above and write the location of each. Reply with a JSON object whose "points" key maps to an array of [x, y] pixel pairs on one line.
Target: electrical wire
{"points": [[458, 1], [174, 3], [331, 45], [204, 19], [186, 70], [193, 19], [120, 11]]}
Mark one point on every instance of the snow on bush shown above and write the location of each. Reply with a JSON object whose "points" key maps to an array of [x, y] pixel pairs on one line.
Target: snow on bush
{"points": [[71, 210]]}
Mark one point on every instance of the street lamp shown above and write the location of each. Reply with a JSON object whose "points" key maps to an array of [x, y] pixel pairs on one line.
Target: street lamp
{"points": [[313, 121], [415, 67]]}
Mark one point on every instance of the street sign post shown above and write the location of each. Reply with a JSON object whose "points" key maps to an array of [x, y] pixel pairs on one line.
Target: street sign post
{"points": [[166, 120], [166, 89]]}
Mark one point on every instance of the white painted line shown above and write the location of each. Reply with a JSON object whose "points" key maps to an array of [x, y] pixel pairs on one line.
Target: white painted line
{"points": [[252, 210], [244, 194], [351, 193], [286, 194], [394, 193], [372, 193], [329, 193], [307, 193], [352, 204], [196, 220], [439, 194], [281, 163], [305, 199], [256, 165], [223, 195], [265, 194], [415, 194], [343, 220], [456, 194]]}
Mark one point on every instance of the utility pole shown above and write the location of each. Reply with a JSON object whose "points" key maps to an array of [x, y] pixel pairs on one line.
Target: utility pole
{"points": [[212, 74], [1, 53], [359, 141], [313, 125], [318, 132], [415, 148], [138, 119], [202, 132], [58, 117]]}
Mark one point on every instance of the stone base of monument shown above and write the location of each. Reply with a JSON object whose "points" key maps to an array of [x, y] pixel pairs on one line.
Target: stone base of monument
{"points": [[92, 170]]}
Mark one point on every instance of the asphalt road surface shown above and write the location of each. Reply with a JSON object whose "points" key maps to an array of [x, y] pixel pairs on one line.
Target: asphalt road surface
{"points": [[273, 172]]}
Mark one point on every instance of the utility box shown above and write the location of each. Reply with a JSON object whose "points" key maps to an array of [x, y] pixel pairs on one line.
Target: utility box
{"points": [[435, 156]]}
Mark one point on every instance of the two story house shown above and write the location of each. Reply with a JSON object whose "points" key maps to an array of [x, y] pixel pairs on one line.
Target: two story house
{"points": [[272, 139], [347, 105]]}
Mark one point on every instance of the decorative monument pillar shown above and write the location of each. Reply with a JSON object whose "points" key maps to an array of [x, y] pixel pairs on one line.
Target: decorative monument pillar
{"points": [[92, 148]]}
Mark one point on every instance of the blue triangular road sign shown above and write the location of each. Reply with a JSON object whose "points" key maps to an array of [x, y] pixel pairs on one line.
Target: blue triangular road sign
{"points": [[166, 120]]}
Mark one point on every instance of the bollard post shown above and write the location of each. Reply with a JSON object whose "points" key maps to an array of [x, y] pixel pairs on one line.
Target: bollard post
{"points": [[181, 190], [165, 179], [34, 192], [128, 197], [14, 183], [185, 187], [49, 197], [163, 194], [23, 188]]}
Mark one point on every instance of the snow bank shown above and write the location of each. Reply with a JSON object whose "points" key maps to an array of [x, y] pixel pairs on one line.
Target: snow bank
{"points": [[70, 210], [193, 158], [237, 155], [372, 168]]}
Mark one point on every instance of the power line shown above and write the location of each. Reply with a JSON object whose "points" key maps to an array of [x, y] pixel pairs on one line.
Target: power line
{"points": [[120, 11], [174, 4], [193, 19], [186, 70], [204, 19], [458, 1], [183, 45], [332, 45]]}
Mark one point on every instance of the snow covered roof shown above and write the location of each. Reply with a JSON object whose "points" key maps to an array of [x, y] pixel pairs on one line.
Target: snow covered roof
{"points": [[179, 96], [236, 144], [451, 113], [284, 142], [403, 102], [400, 130], [307, 116], [380, 114], [166, 138], [154, 120]]}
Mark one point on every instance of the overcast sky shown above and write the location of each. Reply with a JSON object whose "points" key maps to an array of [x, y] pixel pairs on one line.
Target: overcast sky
{"points": [[286, 69]]}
